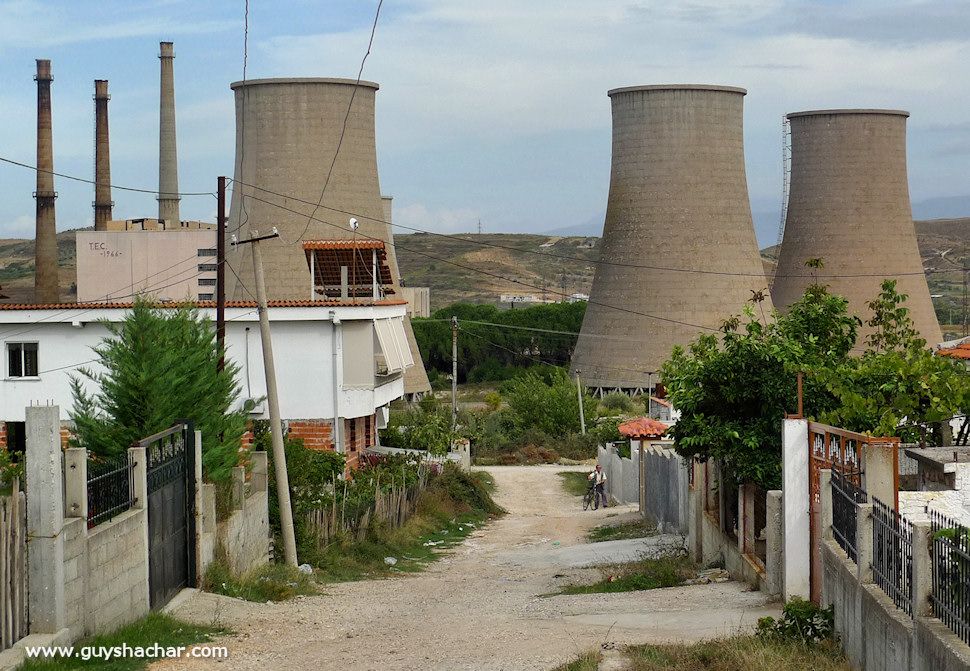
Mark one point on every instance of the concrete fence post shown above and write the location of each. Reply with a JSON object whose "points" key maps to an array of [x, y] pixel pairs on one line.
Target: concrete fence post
{"points": [[238, 487], [863, 543], [825, 503], [797, 520], [139, 476], [922, 577], [45, 520], [259, 475], [774, 542], [76, 482]]}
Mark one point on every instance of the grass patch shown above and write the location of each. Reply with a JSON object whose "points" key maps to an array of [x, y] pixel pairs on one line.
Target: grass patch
{"points": [[574, 482], [589, 661], [453, 506], [270, 582], [618, 532], [743, 653], [155, 628], [637, 576]]}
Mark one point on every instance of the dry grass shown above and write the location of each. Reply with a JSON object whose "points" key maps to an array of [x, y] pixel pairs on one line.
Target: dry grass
{"points": [[589, 661], [744, 653]]}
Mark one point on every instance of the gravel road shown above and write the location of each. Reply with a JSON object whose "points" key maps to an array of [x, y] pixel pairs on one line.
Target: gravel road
{"points": [[481, 608]]}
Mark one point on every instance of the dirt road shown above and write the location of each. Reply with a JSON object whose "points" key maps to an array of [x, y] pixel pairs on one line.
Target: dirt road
{"points": [[479, 608]]}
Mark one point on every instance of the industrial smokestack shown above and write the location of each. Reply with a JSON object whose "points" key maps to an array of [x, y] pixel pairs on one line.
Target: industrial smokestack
{"points": [[849, 205], [45, 240], [678, 204], [102, 157], [168, 173], [290, 129]]}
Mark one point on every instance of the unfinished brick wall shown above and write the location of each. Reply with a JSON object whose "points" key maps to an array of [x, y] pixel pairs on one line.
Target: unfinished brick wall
{"points": [[317, 434]]}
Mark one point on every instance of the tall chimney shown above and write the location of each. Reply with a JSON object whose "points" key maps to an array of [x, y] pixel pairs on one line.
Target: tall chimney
{"points": [[168, 173], [45, 240], [102, 157]]}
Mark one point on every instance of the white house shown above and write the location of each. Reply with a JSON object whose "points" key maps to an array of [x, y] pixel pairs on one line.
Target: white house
{"points": [[339, 363]]}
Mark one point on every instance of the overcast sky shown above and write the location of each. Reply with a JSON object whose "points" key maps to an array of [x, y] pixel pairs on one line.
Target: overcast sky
{"points": [[493, 109]]}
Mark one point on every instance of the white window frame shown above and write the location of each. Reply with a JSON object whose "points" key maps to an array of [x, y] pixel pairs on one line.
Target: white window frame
{"points": [[23, 365]]}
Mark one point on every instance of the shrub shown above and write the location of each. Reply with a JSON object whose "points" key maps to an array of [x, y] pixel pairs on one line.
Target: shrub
{"points": [[493, 400], [551, 407], [618, 404], [420, 429], [801, 621], [270, 582]]}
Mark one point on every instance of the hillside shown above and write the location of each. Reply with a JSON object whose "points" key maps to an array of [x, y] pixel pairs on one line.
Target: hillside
{"points": [[479, 268]]}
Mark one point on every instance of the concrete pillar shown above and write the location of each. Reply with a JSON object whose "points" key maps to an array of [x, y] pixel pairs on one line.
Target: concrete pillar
{"points": [[797, 521], [774, 542], [825, 503], [695, 533], [863, 543], [922, 569], [76, 482], [202, 511], [880, 463], [138, 458], [45, 520], [258, 475], [238, 487]]}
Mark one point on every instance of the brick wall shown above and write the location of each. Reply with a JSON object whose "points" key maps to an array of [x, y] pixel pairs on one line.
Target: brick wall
{"points": [[3, 435], [317, 434]]}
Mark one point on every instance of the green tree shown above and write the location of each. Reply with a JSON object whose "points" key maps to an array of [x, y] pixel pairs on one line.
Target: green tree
{"points": [[732, 391], [547, 404], [159, 366]]}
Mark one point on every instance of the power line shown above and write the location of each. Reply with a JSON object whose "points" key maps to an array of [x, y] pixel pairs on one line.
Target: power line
{"points": [[91, 181], [552, 255], [495, 275], [343, 127], [531, 328]]}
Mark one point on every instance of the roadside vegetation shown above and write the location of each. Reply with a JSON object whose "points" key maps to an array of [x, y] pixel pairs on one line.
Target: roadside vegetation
{"points": [[617, 532], [640, 575], [269, 582], [574, 482], [152, 629]]}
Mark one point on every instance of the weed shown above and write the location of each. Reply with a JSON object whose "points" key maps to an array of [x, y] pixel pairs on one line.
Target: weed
{"points": [[615, 532], [640, 575], [270, 582], [744, 653], [574, 482]]}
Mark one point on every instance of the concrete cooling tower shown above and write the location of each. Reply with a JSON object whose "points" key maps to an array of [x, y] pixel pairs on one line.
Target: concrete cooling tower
{"points": [[287, 133], [679, 253], [849, 206]]}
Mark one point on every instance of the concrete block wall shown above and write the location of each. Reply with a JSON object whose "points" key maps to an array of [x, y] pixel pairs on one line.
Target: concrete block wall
{"points": [[116, 590]]}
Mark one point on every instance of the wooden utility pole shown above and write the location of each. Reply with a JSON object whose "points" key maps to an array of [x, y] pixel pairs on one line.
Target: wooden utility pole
{"points": [[582, 410], [454, 372], [221, 273], [272, 397]]}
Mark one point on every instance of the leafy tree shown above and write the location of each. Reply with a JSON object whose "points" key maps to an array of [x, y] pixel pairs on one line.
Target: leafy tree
{"points": [[160, 367], [732, 391], [551, 407], [419, 429], [897, 387]]}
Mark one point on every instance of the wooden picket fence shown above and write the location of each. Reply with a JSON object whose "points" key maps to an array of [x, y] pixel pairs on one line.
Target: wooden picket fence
{"points": [[13, 567], [392, 507]]}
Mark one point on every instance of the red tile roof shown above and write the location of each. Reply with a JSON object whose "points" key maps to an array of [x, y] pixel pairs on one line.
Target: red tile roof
{"points": [[343, 244], [961, 351], [643, 427], [201, 304]]}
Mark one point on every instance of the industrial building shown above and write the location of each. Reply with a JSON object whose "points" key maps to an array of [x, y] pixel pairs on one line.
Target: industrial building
{"points": [[289, 175], [849, 206], [679, 253]]}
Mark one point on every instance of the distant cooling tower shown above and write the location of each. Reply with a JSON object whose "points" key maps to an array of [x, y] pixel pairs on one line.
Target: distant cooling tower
{"points": [[678, 203], [287, 132], [849, 205]]}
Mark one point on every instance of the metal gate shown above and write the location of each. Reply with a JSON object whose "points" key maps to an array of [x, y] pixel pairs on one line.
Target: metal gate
{"points": [[171, 512]]}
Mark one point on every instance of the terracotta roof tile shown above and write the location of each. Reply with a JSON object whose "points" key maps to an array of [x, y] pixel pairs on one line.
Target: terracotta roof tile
{"points": [[343, 244], [200, 304], [961, 351], [643, 427]]}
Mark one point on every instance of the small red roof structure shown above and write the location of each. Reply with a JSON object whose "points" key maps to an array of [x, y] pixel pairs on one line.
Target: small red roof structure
{"points": [[961, 351], [643, 428]]}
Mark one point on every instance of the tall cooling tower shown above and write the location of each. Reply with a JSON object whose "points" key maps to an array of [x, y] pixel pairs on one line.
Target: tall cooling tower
{"points": [[678, 208], [849, 205], [287, 133]]}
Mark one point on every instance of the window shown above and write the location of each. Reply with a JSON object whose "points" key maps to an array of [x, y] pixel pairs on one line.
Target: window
{"points": [[206, 297], [16, 439], [207, 282], [208, 267], [22, 359], [207, 252]]}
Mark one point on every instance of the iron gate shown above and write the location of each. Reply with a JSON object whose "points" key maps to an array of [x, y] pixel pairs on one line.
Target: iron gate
{"points": [[170, 457]]}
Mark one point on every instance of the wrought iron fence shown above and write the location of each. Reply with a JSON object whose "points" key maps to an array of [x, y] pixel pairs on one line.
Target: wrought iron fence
{"points": [[109, 488], [892, 555], [845, 512], [951, 574]]}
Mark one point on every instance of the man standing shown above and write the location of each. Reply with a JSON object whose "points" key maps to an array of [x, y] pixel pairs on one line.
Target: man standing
{"points": [[598, 480]]}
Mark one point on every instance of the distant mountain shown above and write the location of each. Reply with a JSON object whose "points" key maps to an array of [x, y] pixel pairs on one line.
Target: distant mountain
{"points": [[951, 207], [591, 228]]}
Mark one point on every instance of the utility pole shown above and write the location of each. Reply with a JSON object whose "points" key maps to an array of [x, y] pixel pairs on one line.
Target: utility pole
{"points": [[582, 410], [272, 397], [965, 269], [221, 273], [454, 372]]}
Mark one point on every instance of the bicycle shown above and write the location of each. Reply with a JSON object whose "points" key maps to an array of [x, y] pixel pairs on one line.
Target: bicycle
{"points": [[589, 498]]}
